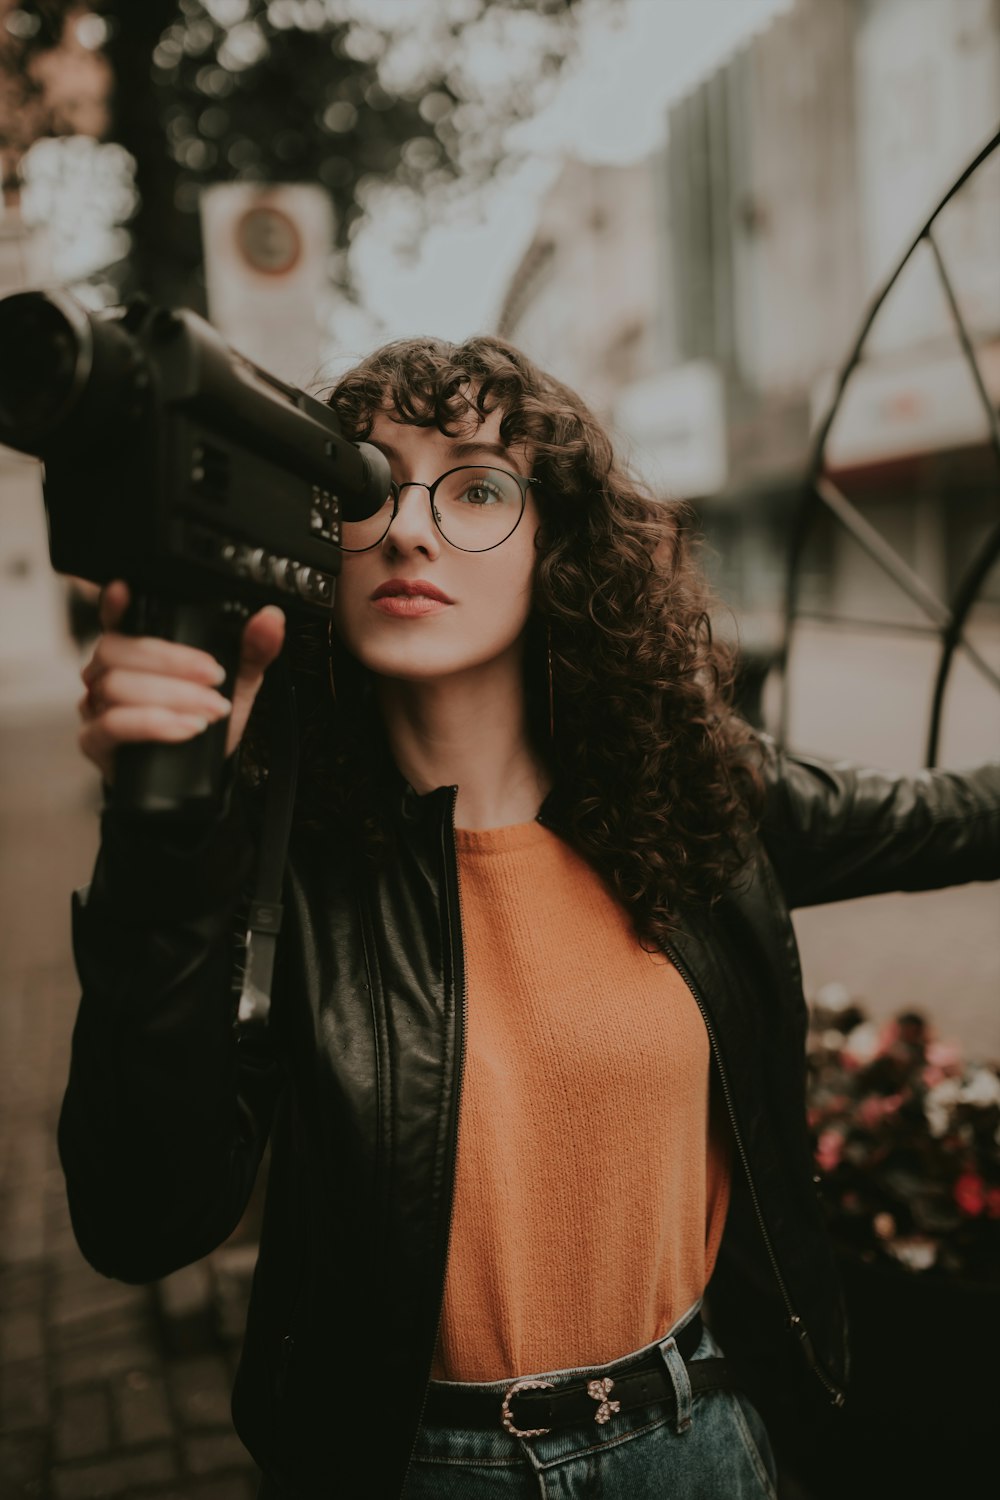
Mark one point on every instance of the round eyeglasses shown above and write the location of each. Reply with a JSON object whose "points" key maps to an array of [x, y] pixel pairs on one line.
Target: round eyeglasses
{"points": [[474, 508]]}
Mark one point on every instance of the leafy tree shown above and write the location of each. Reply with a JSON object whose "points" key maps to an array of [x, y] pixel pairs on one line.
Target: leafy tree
{"points": [[352, 94], [50, 83]]}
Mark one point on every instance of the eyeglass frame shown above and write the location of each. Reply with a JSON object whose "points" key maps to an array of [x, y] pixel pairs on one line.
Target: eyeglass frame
{"points": [[524, 483]]}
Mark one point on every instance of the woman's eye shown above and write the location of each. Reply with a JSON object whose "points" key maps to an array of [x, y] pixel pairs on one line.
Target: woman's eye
{"points": [[481, 494]]}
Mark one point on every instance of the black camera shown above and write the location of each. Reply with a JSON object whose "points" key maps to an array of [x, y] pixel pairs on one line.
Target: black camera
{"points": [[209, 485]]}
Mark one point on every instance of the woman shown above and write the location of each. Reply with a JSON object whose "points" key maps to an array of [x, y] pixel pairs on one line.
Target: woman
{"points": [[537, 1031]]}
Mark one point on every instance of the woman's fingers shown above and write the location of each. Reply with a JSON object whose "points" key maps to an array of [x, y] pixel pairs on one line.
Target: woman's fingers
{"points": [[120, 686], [142, 688], [113, 603], [148, 653], [101, 736], [263, 638]]}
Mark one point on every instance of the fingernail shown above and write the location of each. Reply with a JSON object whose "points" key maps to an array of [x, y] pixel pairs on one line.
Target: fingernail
{"points": [[219, 675]]}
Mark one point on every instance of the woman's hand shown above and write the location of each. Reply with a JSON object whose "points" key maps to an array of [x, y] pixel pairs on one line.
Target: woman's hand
{"points": [[141, 688]]}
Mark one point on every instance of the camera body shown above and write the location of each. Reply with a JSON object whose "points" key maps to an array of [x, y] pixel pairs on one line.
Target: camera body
{"points": [[209, 485], [175, 463]]}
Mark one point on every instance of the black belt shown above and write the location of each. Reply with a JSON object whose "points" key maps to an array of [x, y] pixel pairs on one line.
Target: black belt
{"points": [[530, 1408]]}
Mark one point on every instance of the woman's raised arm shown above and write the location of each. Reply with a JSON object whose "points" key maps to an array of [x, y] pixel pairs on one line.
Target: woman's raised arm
{"points": [[835, 830], [163, 1122]]}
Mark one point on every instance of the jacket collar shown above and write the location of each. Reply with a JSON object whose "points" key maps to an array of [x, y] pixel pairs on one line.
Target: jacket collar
{"points": [[415, 807]]}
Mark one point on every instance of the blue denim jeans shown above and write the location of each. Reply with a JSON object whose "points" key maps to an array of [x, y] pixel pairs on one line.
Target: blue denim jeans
{"points": [[714, 1447]]}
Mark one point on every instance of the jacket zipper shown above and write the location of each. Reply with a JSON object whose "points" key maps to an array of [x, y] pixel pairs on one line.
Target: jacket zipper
{"points": [[284, 1360], [458, 963], [795, 1323]]}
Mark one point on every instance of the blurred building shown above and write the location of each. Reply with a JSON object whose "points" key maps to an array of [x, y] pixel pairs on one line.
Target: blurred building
{"points": [[581, 299], [792, 181]]}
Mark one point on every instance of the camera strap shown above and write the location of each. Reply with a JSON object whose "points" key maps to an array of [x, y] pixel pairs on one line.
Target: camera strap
{"points": [[265, 913]]}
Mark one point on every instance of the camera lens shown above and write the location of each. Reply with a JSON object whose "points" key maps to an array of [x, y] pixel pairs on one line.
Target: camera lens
{"points": [[45, 351]]}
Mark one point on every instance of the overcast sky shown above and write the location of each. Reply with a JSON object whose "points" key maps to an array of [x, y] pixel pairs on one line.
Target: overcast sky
{"points": [[609, 108]]}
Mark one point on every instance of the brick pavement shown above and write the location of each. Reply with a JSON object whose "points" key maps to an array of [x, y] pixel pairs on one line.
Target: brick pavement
{"points": [[106, 1390]]}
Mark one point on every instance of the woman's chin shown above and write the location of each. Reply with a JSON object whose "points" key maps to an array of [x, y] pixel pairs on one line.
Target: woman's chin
{"points": [[402, 667]]}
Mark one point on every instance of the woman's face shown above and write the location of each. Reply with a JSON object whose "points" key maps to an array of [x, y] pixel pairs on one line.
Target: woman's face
{"points": [[489, 593]]}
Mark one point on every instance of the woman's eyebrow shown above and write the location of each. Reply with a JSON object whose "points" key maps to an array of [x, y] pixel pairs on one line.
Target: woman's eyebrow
{"points": [[468, 448], [461, 448]]}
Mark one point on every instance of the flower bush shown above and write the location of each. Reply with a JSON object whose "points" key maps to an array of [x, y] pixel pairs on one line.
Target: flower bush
{"points": [[906, 1138]]}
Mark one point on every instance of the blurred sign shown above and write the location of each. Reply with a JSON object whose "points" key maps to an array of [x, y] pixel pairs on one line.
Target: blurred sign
{"points": [[676, 425], [266, 265], [269, 240], [894, 411]]}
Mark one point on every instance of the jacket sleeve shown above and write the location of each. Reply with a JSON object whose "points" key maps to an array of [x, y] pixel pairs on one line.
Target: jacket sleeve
{"points": [[163, 1124], [834, 830]]}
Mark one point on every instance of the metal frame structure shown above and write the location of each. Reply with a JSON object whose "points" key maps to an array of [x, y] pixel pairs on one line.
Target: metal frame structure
{"points": [[947, 620]]}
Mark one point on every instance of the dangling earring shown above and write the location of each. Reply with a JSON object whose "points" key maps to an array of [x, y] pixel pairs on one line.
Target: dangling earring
{"points": [[329, 660], [548, 651]]}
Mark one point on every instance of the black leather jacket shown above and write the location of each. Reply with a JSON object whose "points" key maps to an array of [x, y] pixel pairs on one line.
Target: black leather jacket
{"points": [[165, 1116]]}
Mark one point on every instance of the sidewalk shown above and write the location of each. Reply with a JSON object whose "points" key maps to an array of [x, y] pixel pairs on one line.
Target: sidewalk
{"points": [[106, 1390]]}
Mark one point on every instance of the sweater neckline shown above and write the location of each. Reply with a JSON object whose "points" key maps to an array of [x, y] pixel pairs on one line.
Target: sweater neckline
{"points": [[501, 840]]}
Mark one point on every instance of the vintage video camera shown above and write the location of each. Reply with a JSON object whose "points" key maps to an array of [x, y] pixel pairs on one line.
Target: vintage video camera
{"points": [[209, 485]]}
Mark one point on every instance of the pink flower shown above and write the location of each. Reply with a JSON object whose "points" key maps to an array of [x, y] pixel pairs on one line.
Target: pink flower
{"points": [[970, 1194], [945, 1057], [888, 1035], [829, 1149], [870, 1112]]}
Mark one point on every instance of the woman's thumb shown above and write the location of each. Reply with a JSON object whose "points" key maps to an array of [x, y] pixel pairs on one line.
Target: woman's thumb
{"points": [[263, 638]]}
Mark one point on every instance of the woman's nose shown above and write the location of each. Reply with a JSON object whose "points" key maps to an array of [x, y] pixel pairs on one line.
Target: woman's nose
{"points": [[413, 525]]}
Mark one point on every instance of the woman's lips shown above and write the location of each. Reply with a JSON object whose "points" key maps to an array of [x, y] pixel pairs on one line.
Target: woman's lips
{"points": [[409, 604]]}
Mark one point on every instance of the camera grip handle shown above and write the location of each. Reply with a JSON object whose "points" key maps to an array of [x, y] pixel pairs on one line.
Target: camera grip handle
{"points": [[181, 781]]}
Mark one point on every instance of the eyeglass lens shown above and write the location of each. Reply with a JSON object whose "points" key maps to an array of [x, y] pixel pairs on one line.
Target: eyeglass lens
{"points": [[475, 508]]}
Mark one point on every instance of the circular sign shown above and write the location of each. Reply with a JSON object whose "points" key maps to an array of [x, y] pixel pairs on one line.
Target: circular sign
{"points": [[268, 240]]}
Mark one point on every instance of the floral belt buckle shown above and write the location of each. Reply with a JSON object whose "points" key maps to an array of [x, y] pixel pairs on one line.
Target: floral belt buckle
{"points": [[508, 1420], [599, 1391]]}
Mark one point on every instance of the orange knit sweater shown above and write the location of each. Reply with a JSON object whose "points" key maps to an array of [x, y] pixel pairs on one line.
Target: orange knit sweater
{"points": [[592, 1180]]}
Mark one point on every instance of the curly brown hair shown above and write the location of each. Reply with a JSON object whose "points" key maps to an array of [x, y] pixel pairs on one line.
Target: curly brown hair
{"points": [[654, 778]]}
